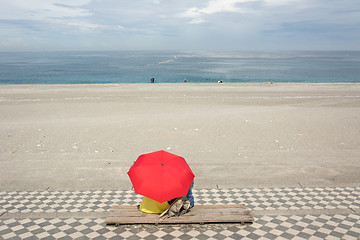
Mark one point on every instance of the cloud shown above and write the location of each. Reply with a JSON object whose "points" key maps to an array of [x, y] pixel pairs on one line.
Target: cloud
{"points": [[43, 9], [47, 11], [215, 6], [198, 14], [173, 24], [13, 42]]}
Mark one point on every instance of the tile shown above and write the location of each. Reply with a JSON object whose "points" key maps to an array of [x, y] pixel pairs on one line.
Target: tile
{"points": [[337, 226]]}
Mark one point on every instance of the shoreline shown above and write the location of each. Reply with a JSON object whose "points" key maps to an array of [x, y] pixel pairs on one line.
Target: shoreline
{"points": [[188, 83]]}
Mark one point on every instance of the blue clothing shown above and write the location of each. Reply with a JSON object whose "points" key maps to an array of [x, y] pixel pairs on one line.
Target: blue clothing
{"points": [[190, 196]]}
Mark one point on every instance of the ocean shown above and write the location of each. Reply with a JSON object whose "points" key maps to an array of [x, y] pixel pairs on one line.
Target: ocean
{"points": [[175, 66]]}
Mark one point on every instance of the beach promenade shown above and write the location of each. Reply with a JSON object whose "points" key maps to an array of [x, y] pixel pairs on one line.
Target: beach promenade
{"points": [[290, 152]]}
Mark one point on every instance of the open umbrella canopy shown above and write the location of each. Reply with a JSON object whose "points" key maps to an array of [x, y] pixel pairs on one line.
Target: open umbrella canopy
{"points": [[161, 176]]}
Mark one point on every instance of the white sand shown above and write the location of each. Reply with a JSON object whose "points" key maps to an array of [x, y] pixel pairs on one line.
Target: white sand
{"points": [[80, 137]]}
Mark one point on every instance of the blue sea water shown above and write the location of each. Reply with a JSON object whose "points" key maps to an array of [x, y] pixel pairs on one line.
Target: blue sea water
{"points": [[174, 66]]}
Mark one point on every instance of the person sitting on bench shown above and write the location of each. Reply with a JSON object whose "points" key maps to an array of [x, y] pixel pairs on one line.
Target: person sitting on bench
{"points": [[149, 205]]}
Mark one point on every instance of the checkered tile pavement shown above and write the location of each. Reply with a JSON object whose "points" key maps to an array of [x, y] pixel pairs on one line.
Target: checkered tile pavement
{"points": [[266, 227], [253, 198], [323, 226]]}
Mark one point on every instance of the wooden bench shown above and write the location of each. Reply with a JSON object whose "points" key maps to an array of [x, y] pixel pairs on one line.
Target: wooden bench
{"points": [[198, 214]]}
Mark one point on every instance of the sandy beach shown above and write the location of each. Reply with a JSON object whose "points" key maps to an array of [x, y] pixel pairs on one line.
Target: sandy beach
{"points": [[85, 137]]}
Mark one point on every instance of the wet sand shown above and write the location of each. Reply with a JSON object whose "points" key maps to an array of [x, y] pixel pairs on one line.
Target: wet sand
{"points": [[85, 137]]}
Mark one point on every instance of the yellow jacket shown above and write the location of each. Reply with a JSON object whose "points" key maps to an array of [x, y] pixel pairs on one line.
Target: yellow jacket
{"points": [[151, 206]]}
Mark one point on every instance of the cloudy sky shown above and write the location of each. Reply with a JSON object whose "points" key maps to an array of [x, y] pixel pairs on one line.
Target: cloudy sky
{"points": [[179, 25]]}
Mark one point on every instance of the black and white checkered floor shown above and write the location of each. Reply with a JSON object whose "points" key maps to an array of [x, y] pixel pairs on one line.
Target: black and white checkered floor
{"points": [[280, 213]]}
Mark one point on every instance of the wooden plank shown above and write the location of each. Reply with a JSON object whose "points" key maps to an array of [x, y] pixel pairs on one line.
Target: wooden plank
{"points": [[198, 214]]}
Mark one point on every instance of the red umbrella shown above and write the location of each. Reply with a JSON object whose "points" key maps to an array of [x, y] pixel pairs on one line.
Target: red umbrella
{"points": [[161, 176]]}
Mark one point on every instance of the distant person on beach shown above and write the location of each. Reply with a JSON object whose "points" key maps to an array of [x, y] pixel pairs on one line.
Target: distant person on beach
{"points": [[184, 80], [152, 80], [220, 81]]}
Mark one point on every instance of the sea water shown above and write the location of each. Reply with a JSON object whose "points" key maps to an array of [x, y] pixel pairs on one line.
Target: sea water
{"points": [[175, 66]]}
